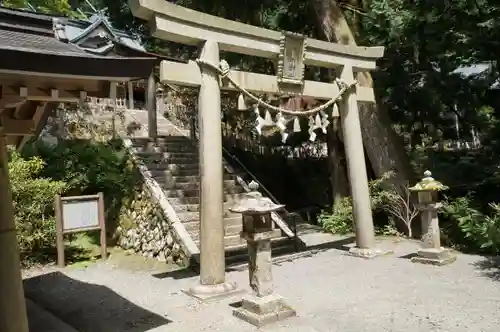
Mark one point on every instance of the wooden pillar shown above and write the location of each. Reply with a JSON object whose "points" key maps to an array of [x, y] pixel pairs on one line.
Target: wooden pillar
{"points": [[212, 258], [113, 92], [358, 179], [13, 316], [130, 95], [151, 106]]}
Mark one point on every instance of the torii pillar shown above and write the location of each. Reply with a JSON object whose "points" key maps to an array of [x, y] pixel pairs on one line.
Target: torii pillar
{"points": [[356, 166], [213, 281], [13, 317]]}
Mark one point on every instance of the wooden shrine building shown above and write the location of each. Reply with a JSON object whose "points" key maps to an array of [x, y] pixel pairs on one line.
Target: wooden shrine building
{"points": [[38, 70]]}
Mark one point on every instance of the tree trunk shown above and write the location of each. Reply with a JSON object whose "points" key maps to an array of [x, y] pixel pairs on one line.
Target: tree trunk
{"points": [[384, 148], [336, 157]]}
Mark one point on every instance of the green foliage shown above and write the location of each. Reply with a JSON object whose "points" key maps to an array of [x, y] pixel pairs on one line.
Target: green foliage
{"points": [[89, 167], [61, 7], [468, 228], [33, 198], [339, 220]]}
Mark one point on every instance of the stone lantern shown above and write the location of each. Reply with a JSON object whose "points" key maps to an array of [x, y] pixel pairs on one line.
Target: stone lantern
{"points": [[428, 203], [263, 306]]}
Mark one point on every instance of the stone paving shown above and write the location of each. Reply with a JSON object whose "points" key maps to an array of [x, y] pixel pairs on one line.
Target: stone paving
{"points": [[330, 291]]}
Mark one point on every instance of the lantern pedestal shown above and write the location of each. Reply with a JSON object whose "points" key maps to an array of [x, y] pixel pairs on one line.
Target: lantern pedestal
{"points": [[434, 256], [263, 306], [260, 311]]}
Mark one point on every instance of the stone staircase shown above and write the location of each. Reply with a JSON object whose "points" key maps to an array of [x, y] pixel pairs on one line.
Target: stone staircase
{"points": [[172, 162]]}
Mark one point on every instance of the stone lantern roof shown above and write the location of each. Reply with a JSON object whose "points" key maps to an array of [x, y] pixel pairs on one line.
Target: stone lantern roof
{"points": [[428, 183], [254, 203]]}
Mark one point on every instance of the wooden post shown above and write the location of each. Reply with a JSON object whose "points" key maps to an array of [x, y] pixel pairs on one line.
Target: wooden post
{"points": [[59, 232], [212, 255], [130, 95], [13, 317], [113, 95], [102, 224], [358, 179], [151, 106]]}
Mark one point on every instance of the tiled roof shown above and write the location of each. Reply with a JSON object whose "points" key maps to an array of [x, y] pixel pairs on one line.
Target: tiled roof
{"points": [[28, 42]]}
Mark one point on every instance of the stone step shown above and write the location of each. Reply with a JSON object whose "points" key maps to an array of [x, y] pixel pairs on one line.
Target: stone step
{"points": [[178, 193], [168, 157], [191, 185], [160, 139], [165, 166], [228, 198], [195, 216], [172, 138], [237, 248], [167, 178], [168, 147], [179, 208], [241, 249], [232, 222], [150, 145], [237, 256], [161, 165], [229, 231], [231, 241]]}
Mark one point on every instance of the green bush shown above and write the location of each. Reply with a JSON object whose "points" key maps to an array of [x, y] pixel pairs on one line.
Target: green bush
{"points": [[33, 198], [89, 167], [465, 227], [339, 220], [72, 167]]}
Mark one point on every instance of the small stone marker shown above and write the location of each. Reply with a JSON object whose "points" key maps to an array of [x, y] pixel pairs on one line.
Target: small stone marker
{"points": [[263, 306], [431, 251]]}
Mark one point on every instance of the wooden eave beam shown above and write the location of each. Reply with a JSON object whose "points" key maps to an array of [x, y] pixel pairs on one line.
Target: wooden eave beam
{"points": [[20, 94], [37, 117], [15, 127], [182, 25], [189, 74]]}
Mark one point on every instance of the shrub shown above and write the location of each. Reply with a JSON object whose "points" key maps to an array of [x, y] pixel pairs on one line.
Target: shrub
{"points": [[89, 167], [384, 199], [340, 220], [467, 228], [33, 198]]}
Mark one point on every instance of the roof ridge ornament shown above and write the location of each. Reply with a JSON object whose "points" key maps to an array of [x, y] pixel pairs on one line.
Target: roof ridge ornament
{"points": [[59, 29]]}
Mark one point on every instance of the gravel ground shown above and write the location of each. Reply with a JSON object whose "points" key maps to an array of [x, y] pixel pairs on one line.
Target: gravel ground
{"points": [[329, 290]]}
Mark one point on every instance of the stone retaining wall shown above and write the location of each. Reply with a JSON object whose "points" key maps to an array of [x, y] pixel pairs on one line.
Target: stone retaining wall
{"points": [[143, 228]]}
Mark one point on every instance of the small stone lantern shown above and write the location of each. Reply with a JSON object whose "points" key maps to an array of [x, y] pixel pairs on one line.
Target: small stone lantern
{"points": [[263, 306], [428, 203]]}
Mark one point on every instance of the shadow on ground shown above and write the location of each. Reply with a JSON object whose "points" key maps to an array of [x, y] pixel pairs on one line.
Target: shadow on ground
{"points": [[489, 267], [89, 307], [193, 271]]}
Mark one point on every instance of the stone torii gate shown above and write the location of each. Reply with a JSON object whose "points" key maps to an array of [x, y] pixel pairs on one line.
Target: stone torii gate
{"points": [[292, 52]]}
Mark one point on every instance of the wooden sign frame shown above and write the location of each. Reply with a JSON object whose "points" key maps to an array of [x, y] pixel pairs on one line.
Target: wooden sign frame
{"points": [[61, 230]]}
